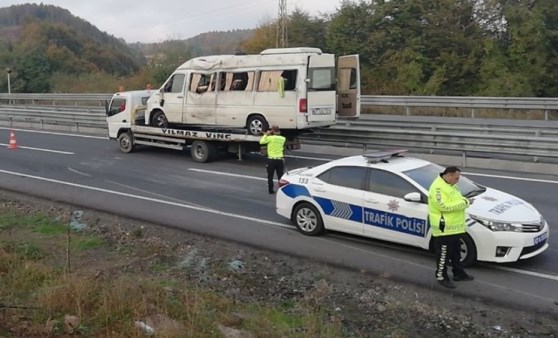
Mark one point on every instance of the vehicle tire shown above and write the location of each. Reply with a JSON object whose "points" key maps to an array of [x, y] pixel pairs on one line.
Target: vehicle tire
{"points": [[158, 119], [308, 219], [203, 151], [468, 251], [126, 142], [257, 125]]}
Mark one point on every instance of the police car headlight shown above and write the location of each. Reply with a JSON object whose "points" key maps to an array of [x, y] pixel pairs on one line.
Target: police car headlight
{"points": [[499, 226]]}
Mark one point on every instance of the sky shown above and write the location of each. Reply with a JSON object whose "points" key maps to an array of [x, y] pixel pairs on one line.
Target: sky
{"points": [[153, 21]]}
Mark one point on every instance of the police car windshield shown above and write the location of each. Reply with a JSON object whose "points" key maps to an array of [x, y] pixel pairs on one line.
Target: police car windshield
{"points": [[426, 174]]}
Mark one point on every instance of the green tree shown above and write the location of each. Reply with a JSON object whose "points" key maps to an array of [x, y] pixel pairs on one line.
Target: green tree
{"points": [[264, 37], [33, 73], [304, 30]]}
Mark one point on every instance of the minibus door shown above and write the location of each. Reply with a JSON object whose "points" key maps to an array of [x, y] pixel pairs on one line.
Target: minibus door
{"points": [[173, 96], [201, 99], [348, 86], [320, 95]]}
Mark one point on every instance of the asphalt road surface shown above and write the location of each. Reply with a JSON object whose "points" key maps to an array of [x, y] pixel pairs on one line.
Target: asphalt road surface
{"points": [[228, 199]]}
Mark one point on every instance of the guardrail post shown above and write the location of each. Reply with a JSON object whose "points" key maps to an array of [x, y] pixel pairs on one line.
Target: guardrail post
{"points": [[546, 115], [77, 127], [364, 148], [473, 112], [464, 159], [408, 110], [42, 124]]}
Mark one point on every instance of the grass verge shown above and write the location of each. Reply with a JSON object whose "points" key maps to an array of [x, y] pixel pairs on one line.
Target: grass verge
{"points": [[56, 281]]}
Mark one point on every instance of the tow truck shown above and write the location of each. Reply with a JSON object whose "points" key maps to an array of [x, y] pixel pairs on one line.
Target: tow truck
{"points": [[125, 116]]}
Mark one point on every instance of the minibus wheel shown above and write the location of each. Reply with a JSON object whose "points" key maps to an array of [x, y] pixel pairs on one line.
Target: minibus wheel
{"points": [[159, 120], [257, 125]]}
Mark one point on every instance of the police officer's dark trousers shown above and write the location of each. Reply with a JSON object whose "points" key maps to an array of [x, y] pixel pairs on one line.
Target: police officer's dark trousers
{"points": [[448, 250], [274, 166]]}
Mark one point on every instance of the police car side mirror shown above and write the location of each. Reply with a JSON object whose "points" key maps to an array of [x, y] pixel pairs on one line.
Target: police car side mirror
{"points": [[413, 197]]}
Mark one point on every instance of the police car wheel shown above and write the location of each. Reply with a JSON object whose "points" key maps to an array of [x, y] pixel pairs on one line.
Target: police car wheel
{"points": [[468, 251], [308, 219], [126, 142]]}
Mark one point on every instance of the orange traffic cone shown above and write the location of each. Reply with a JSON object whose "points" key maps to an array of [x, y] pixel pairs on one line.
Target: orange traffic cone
{"points": [[13, 144]]}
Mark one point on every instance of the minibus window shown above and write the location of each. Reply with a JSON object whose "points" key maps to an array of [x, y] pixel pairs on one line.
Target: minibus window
{"points": [[175, 84], [241, 81], [269, 80], [321, 79], [201, 83]]}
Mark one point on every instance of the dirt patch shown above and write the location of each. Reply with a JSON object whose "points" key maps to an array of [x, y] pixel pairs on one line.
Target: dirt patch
{"points": [[362, 305]]}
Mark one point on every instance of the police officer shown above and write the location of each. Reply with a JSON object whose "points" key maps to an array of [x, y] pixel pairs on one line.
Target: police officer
{"points": [[446, 212], [275, 143]]}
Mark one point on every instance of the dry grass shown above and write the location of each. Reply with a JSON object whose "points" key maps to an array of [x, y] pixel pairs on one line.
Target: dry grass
{"points": [[105, 295]]}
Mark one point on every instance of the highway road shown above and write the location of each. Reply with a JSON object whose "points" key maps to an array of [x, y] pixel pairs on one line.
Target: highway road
{"points": [[228, 199]]}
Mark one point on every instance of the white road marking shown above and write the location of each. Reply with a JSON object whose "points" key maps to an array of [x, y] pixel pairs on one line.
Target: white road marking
{"points": [[310, 158], [149, 199], [526, 272], [56, 133], [152, 193], [512, 178], [290, 156], [228, 174], [41, 149], [504, 268], [499, 286], [247, 218], [79, 172]]}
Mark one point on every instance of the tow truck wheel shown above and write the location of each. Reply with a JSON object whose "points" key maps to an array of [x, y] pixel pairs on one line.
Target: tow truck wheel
{"points": [[202, 151], [257, 125], [126, 142], [308, 219], [468, 250], [159, 120]]}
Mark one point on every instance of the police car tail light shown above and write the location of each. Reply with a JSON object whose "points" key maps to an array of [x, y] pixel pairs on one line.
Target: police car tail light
{"points": [[283, 182], [302, 106]]}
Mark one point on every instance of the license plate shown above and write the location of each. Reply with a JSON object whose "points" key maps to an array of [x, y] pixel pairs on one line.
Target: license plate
{"points": [[541, 238], [321, 111]]}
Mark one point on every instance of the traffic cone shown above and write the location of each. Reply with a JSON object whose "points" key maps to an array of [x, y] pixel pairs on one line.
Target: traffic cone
{"points": [[13, 144]]}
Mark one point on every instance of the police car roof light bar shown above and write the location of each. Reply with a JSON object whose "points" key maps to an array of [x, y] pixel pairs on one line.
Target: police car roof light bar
{"points": [[384, 155]]}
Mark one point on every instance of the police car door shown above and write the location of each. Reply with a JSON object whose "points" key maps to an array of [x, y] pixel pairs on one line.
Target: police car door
{"points": [[387, 215], [338, 191]]}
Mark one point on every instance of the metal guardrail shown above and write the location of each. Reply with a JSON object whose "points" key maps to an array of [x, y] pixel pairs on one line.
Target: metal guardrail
{"points": [[473, 102], [546, 105], [516, 140], [524, 140], [22, 98]]}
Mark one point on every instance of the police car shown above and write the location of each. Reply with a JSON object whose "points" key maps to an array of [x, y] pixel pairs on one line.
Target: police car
{"points": [[383, 195]]}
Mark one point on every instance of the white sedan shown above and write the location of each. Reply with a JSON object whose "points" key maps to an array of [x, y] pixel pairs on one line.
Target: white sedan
{"points": [[383, 195]]}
